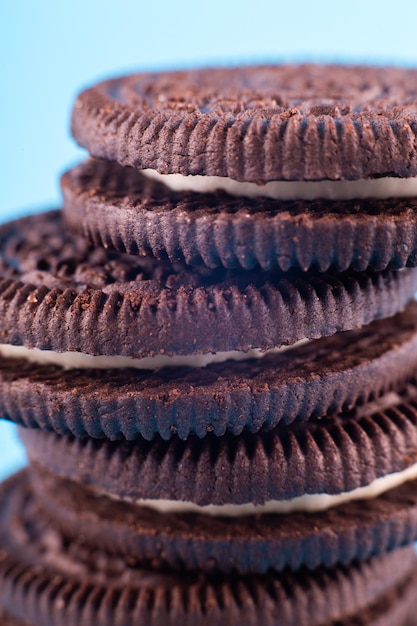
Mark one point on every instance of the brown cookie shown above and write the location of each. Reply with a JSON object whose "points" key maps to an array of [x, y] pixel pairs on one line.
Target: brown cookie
{"points": [[247, 544], [58, 294], [328, 456], [317, 379], [117, 207], [284, 122], [49, 580]]}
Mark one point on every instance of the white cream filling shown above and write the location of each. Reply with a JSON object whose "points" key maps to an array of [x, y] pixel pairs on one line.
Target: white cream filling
{"points": [[310, 503], [378, 188], [80, 360]]}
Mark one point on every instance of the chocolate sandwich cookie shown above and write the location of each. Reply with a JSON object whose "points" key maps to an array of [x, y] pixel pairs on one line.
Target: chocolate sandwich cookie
{"points": [[331, 456], [121, 208], [256, 124], [47, 579], [59, 295], [310, 494], [56, 293], [251, 543], [309, 381]]}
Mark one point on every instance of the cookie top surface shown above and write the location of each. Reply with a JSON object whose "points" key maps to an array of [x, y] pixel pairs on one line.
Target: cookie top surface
{"points": [[257, 124], [58, 294]]}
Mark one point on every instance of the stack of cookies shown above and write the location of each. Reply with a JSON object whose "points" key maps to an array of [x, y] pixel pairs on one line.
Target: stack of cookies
{"points": [[212, 355]]}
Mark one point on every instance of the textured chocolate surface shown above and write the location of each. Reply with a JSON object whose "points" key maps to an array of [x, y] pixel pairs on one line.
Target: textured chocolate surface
{"points": [[253, 544], [119, 208], [8, 620], [53, 581], [289, 122], [317, 379], [329, 456], [397, 607], [58, 294]]}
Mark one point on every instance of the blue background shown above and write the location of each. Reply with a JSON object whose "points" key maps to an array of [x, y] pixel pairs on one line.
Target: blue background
{"points": [[49, 50]]}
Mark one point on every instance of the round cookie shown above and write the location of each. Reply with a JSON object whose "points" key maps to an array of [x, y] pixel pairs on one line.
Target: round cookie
{"points": [[48, 579], [309, 381], [58, 294], [118, 207], [258, 124], [329, 456]]}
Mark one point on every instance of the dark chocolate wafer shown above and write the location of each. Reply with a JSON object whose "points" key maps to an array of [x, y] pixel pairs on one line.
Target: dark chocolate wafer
{"points": [[288, 122], [50, 580], [317, 379], [58, 294], [328, 456], [119, 208]]}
